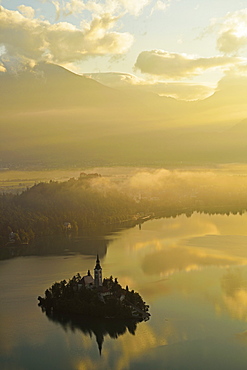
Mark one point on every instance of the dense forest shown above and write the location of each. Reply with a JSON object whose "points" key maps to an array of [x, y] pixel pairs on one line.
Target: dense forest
{"points": [[56, 208], [90, 206]]}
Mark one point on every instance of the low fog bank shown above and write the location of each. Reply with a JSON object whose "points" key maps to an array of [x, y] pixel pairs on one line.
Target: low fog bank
{"points": [[166, 189], [161, 188]]}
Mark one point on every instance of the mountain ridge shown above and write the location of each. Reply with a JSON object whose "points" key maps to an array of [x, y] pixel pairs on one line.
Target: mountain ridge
{"points": [[54, 117]]}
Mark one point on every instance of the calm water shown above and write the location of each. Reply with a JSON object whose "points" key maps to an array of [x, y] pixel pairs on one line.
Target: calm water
{"points": [[191, 271]]}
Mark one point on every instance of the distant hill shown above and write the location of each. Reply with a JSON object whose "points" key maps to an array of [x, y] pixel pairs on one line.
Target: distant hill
{"points": [[240, 129], [49, 86], [51, 117]]}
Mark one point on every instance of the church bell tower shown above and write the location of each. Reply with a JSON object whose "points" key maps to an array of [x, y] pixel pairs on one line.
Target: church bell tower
{"points": [[97, 274]]}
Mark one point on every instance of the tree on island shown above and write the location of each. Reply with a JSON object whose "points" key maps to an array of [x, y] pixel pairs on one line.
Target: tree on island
{"points": [[107, 301]]}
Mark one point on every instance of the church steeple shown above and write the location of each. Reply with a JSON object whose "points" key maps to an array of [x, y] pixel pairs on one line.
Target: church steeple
{"points": [[97, 273], [98, 263]]}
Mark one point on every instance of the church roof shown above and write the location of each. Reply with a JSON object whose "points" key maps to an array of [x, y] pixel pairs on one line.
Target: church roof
{"points": [[87, 280]]}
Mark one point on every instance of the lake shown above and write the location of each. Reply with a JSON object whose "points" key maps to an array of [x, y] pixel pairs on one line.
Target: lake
{"points": [[192, 271]]}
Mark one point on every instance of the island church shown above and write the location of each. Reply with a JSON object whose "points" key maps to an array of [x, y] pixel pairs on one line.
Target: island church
{"points": [[88, 281]]}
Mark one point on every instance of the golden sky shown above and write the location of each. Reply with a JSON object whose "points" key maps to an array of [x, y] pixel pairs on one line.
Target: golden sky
{"points": [[173, 47]]}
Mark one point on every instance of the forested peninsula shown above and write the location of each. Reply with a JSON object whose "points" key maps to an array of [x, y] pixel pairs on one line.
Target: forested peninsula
{"points": [[64, 209], [53, 213]]}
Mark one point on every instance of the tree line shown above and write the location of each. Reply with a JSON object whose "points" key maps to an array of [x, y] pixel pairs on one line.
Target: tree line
{"points": [[58, 208]]}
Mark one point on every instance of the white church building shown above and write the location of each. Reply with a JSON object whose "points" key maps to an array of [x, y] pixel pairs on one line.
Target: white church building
{"points": [[88, 281]]}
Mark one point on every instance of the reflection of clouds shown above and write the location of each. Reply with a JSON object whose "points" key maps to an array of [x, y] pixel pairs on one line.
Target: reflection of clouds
{"points": [[15, 328], [85, 364], [237, 305], [234, 245], [175, 259], [182, 226], [158, 233], [128, 347], [155, 289], [232, 282], [134, 348], [234, 289], [242, 337], [155, 244], [167, 246], [131, 348]]}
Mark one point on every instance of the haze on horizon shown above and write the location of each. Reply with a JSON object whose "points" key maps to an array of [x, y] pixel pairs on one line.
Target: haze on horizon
{"points": [[117, 82]]}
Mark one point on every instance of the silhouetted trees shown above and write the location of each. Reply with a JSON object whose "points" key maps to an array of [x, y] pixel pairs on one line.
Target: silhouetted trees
{"points": [[111, 300], [47, 209]]}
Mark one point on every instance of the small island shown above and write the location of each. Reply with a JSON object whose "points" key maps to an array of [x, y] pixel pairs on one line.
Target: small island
{"points": [[94, 297]]}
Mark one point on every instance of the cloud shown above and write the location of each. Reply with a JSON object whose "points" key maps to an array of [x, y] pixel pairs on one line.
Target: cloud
{"points": [[182, 91], [116, 79], [161, 5], [75, 7], [113, 6], [176, 66], [36, 39], [177, 90], [233, 32], [134, 7], [27, 11]]}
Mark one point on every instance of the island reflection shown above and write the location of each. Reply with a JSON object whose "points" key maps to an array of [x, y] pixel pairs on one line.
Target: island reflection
{"points": [[98, 327]]}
